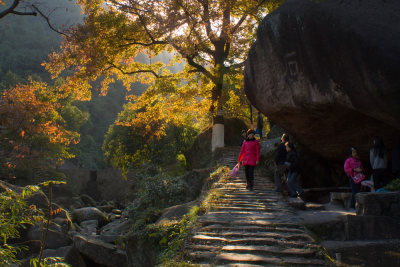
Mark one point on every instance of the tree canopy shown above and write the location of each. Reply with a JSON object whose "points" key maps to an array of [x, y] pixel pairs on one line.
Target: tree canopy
{"points": [[211, 37]]}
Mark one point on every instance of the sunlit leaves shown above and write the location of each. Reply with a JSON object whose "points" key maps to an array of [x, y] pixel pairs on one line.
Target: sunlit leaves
{"points": [[32, 125]]}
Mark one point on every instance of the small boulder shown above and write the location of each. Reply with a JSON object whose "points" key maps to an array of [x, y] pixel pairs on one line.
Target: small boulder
{"points": [[89, 213], [88, 201], [89, 227], [117, 227]]}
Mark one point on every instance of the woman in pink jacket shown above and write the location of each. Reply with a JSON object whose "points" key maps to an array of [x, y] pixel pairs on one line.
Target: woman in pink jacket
{"points": [[251, 156], [353, 168]]}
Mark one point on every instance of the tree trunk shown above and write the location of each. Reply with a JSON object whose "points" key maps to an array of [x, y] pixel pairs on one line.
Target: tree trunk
{"points": [[218, 130]]}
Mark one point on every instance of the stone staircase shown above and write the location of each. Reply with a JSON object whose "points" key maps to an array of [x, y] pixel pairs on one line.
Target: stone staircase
{"points": [[251, 228]]}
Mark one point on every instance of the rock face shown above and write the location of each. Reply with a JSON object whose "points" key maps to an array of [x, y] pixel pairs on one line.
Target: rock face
{"points": [[328, 73]]}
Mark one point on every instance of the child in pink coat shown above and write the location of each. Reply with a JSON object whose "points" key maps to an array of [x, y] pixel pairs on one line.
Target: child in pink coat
{"points": [[251, 156], [353, 166]]}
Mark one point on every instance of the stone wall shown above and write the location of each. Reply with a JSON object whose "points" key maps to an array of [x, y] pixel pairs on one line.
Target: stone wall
{"points": [[101, 185], [379, 204]]}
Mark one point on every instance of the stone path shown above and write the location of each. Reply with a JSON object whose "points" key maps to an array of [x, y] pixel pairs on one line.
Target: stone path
{"points": [[251, 228]]}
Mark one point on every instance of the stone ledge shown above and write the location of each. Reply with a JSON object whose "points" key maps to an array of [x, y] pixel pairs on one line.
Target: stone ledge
{"points": [[379, 204]]}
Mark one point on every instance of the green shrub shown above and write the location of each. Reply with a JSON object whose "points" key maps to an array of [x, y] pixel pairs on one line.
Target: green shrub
{"points": [[393, 185]]}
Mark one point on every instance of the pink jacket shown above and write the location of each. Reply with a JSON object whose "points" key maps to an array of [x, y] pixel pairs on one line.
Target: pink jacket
{"points": [[251, 152], [350, 164]]}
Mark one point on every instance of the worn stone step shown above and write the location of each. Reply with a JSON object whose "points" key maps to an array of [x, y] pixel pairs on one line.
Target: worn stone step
{"points": [[250, 228], [275, 235], [205, 239], [249, 209], [224, 257], [271, 249], [205, 221]]}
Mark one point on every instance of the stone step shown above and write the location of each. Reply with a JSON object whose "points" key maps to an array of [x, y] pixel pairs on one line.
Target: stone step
{"points": [[220, 228], [207, 240], [249, 209], [250, 258], [272, 250], [275, 235], [204, 221]]}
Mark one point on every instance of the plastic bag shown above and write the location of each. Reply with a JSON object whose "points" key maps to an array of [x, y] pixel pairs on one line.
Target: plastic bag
{"points": [[234, 171]]}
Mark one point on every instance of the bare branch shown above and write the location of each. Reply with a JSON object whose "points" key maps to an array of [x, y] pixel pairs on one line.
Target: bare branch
{"points": [[113, 66], [143, 44], [242, 19], [11, 10], [48, 21], [199, 68]]}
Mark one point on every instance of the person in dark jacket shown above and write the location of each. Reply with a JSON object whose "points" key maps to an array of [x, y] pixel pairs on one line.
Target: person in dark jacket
{"points": [[280, 166], [293, 170], [260, 124], [396, 160], [243, 137], [379, 160]]}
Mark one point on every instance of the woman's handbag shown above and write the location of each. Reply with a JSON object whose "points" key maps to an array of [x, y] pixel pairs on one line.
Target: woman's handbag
{"points": [[358, 177]]}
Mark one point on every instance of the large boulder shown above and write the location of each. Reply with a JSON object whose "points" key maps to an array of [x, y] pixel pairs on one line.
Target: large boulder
{"points": [[100, 252], [55, 238], [328, 73]]}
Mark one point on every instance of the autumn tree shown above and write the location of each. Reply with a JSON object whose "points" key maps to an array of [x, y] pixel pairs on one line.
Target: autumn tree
{"points": [[33, 132], [211, 37]]}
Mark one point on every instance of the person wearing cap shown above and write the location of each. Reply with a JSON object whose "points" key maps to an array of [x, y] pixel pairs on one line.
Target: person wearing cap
{"points": [[251, 157]]}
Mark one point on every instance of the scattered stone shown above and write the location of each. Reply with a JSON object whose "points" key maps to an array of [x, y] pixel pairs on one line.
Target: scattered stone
{"points": [[116, 211], [89, 227], [106, 208]]}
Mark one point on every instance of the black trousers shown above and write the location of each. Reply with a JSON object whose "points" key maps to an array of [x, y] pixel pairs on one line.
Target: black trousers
{"points": [[355, 189], [380, 178], [249, 171]]}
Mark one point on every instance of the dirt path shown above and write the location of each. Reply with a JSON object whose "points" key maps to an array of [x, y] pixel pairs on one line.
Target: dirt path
{"points": [[251, 228]]}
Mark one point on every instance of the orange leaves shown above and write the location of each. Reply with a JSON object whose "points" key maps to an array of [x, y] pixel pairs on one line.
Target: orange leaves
{"points": [[31, 122], [54, 212]]}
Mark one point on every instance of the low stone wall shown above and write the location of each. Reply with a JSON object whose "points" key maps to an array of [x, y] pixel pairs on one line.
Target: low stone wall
{"points": [[105, 184], [379, 204]]}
